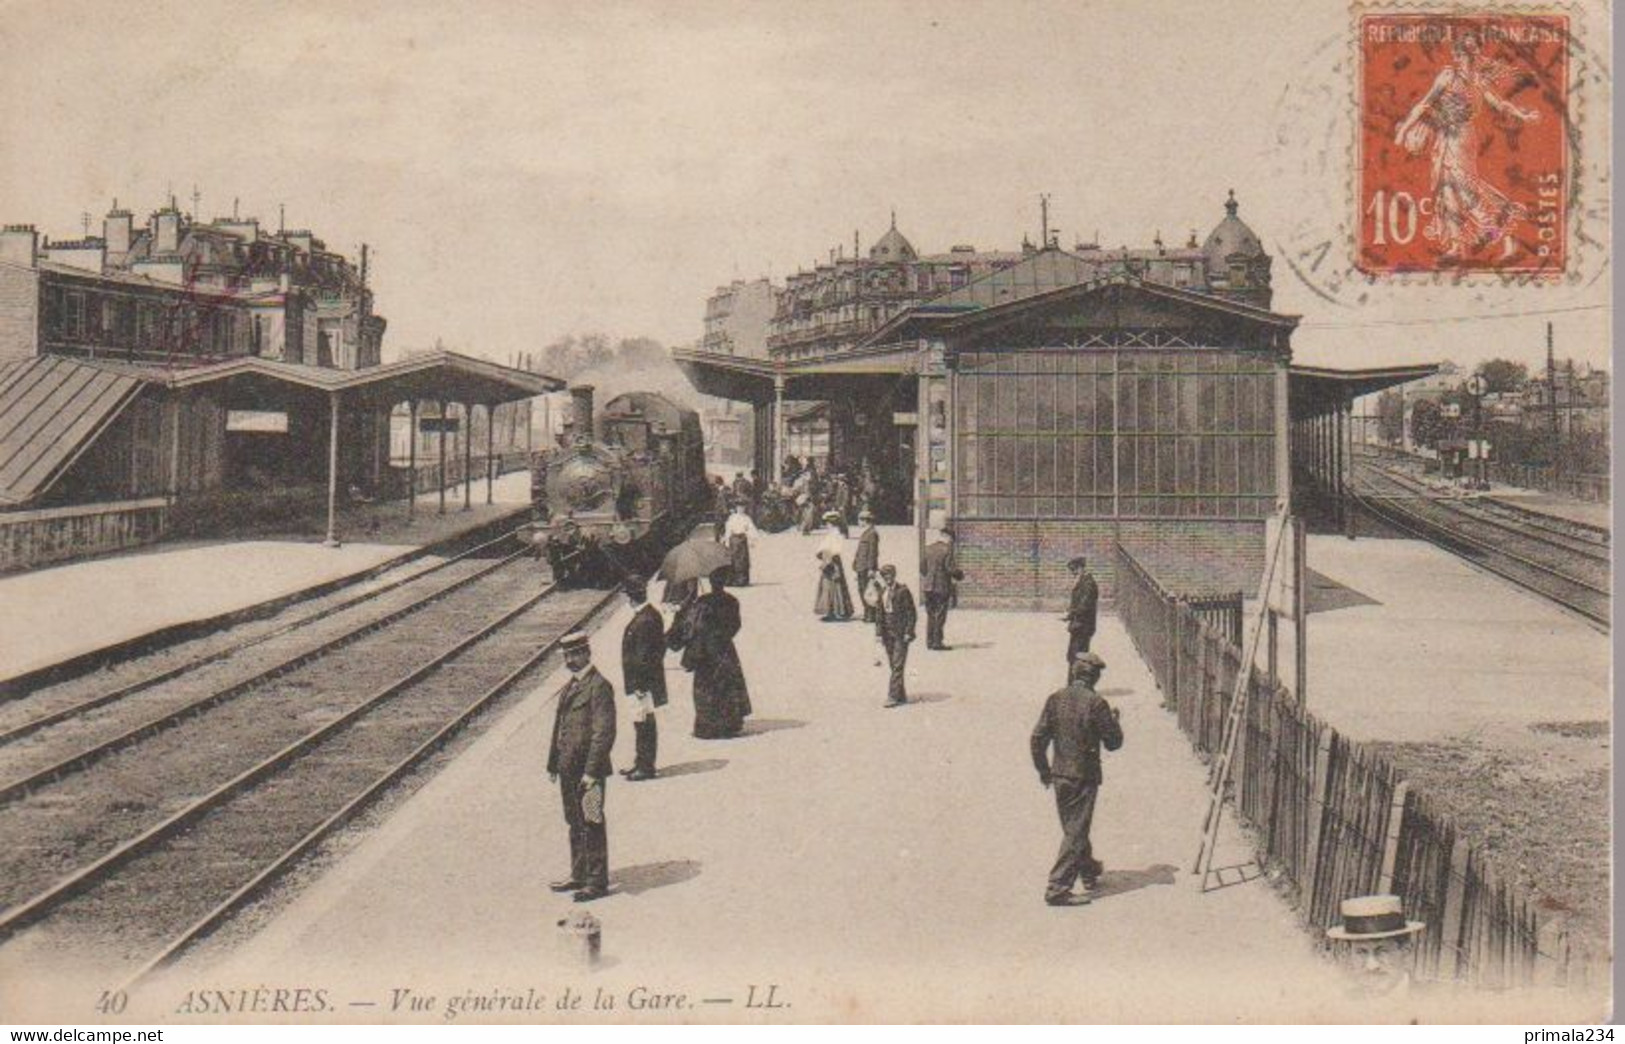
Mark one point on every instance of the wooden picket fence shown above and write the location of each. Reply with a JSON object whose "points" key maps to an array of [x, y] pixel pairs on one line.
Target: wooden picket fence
{"points": [[1332, 817]]}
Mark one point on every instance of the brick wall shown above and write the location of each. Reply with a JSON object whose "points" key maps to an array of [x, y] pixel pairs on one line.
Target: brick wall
{"points": [[1022, 565], [19, 312]]}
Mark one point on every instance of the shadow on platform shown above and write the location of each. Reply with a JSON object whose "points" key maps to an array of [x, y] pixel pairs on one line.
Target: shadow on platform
{"points": [[1121, 882], [758, 726], [1326, 594], [692, 768], [929, 697], [646, 877]]}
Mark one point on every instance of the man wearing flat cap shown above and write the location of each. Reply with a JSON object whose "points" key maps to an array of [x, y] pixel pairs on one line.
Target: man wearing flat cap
{"points": [[1077, 721], [1080, 614], [578, 760], [867, 561]]}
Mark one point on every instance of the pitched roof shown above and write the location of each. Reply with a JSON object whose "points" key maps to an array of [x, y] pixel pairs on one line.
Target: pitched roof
{"points": [[51, 410]]}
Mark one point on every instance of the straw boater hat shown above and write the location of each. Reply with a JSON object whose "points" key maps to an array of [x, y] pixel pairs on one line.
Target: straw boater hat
{"points": [[832, 516], [865, 515], [575, 640], [1370, 917]]}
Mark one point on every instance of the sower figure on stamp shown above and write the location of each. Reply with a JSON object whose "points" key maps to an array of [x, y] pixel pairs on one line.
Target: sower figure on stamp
{"points": [[643, 672], [938, 574], [897, 630], [578, 760], [1078, 722], [867, 560], [1081, 613]]}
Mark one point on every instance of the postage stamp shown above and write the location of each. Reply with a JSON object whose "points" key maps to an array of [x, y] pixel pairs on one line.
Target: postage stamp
{"points": [[1463, 142]]}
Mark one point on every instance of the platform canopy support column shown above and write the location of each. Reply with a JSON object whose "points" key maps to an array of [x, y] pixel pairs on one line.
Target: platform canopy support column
{"points": [[411, 457], [778, 429], [490, 456], [440, 475], [332, 469], [468, 455]]}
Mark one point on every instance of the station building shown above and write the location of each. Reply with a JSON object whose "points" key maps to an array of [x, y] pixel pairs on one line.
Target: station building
{"points": [[190, 370], [1062, 402]]}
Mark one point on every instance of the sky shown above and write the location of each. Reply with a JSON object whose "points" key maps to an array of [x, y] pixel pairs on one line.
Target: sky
{"points": [[526, 171]]}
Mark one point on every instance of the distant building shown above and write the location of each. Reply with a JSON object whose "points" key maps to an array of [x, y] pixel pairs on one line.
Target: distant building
{"points": [[1579, 405], [737, 318], [178, 292], [839, 304]]}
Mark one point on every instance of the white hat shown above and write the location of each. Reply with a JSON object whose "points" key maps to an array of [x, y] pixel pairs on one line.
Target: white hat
{"points": [[1370, 917]]}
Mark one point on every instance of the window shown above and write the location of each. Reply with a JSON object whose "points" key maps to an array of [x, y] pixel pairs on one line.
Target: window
{"points": [[1116, 433], [74, 322]]}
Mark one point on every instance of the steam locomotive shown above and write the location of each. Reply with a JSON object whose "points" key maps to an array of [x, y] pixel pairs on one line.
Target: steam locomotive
{"points": [[618, 493]]}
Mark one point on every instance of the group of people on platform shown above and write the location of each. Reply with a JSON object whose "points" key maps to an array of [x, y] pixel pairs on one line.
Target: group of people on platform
{"points": [[1076, 721], [805, 495]]}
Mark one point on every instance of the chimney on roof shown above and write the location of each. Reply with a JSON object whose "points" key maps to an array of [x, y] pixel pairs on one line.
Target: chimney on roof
{"points": [[166, 230], [118, 228], [19, 245]]}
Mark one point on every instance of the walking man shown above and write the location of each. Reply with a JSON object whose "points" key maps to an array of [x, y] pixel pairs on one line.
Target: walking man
{"points": [[897, 630], [1078, 722], [867, 560], [643, 671], [938, 574], [578, 760], [1080, 614]]}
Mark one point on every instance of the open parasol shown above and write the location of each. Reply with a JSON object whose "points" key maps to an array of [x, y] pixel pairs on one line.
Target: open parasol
{"points": [[694, 559]]}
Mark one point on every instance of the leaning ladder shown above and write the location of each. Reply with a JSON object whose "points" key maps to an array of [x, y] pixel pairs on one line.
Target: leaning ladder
{"points": [[1236, 719]]}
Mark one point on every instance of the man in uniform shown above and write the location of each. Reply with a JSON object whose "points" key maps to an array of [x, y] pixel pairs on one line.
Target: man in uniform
{"points": [[867, 560], [897, 630], [1078, 722], [578, 760], [643, 671], [938, 574], [1080, 614]]}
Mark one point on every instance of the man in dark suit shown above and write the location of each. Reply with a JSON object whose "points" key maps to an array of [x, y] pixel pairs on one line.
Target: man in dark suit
{"points": [[643, 672], [867, 560], [1078, 722], [897, 630], [938, 574], [1080, 614], [578, 760]]}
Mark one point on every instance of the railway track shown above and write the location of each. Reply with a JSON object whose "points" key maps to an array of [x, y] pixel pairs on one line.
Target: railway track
{"points": [[1566, 568], [140, 902], [22, 716]]}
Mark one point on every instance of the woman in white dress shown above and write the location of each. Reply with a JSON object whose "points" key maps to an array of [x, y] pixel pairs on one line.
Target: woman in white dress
{"points": [[834, 600]]}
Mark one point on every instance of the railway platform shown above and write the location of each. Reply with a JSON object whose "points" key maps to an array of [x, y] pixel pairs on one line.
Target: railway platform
{"points": [[1566, 508], [77, 609], [859, 862]]}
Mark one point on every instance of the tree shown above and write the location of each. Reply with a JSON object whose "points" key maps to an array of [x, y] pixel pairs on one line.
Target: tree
{"points": [[1428, 423], [1390, 417], [1503, 375]]}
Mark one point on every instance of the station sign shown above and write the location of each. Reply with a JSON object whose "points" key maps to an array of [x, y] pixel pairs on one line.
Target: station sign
{"points": [[264, 422], [434, 425]]}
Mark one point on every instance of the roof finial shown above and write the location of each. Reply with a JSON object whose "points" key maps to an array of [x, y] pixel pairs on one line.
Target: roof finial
{"points": [[1230, 204], [893, 217]]}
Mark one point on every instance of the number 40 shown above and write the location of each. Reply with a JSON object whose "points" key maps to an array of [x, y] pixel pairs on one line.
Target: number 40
{"points": [[1392, 217]]}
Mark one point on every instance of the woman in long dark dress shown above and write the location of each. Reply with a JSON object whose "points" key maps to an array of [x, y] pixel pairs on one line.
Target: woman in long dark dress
{"points": [[721, 700]]}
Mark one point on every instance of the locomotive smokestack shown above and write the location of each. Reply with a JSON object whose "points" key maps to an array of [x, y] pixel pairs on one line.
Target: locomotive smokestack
{"points": [[581, 411]]}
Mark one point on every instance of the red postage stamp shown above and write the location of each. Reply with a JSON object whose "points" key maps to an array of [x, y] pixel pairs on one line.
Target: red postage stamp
{"points": [[1463, 143]]}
